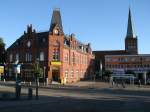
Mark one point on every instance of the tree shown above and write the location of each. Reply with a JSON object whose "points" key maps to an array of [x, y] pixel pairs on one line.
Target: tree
{"points": [[2, 51], [37, 73], [37, 70]]}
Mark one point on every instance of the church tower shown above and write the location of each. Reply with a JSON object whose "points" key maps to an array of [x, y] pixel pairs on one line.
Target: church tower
{"points": [[131, 45]]}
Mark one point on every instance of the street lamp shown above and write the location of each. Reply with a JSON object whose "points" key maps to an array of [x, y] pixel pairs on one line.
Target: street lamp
{"points": [[100, 70], [18, 84], [44, 75]]}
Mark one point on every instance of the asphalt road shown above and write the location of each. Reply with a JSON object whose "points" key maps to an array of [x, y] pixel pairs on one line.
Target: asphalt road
{"points": [[79, 100]]}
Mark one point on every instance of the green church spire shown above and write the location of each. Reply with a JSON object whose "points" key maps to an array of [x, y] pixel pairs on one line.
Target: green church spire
{"points": [[130, 30]]}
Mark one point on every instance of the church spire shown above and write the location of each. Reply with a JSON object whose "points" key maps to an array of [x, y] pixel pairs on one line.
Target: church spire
{"points": [[130, 31], [56, 20]]}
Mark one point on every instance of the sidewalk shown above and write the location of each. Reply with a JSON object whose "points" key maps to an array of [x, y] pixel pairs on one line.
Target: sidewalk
{"points": [[78, 85]]}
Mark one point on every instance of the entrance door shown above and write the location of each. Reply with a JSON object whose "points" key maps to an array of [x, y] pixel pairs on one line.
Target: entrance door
{"points": [[55, 75]]}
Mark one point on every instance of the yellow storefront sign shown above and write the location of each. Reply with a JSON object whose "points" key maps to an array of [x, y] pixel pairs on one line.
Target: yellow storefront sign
{"points": [[55, 63], [1, 69]]}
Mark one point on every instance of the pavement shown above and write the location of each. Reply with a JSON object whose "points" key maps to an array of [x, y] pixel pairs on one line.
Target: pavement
{"points": [[83, 96], [80, 85]]}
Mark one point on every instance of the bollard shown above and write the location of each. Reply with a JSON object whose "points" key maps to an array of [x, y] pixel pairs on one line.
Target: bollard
{"points": [[30, 94], [139, 83], [30, 83], [38, 83], [18, 90]]}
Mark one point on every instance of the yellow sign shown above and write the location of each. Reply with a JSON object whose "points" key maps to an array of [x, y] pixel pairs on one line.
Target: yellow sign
{"points": [[55, 63], [1, 69]]}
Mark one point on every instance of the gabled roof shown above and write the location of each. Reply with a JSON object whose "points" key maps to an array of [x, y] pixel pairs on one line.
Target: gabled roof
{"points": [[39, 37]]}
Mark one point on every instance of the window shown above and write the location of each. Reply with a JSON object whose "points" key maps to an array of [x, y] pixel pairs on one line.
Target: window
{"points": [[72, 74], [86, 60], [81, 60], [73, 58], [10, 57], [81, 74], [66, 73], [77, 74], [66, 57], [17, 56], [56, 55], [28, 57], [77, 60], [44, 40], [41, 56]]}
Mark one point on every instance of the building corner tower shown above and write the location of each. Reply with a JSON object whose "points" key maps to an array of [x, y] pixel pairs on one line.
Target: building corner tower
{"points": [[55, 47]]}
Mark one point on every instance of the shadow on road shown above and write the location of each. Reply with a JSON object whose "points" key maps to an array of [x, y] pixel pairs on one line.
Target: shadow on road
{"points": [[119, 100]]}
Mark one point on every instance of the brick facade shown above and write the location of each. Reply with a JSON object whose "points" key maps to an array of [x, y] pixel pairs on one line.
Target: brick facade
{"points": [[61, 57]]}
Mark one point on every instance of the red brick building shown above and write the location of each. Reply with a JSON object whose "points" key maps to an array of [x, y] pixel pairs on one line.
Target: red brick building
{"points": [[60, 56]]}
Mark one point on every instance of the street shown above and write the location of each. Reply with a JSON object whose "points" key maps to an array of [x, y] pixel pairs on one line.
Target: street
{"points": [[131, 99]]}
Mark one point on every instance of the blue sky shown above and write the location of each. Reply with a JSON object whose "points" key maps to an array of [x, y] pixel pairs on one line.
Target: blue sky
{"points": [[103, 23]]}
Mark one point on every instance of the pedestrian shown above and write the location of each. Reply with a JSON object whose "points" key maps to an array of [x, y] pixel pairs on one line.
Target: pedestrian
{"points": [[111, 81], [123, 83]]}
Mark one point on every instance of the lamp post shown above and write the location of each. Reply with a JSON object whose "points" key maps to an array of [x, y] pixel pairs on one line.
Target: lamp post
{"points": [[145, 78], [100, 70], [18, 84], [44, 74], [36, 76]]}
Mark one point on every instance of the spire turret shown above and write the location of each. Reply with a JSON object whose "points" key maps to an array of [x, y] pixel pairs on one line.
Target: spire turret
{"points": [[130, 30], [56, 20]]}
